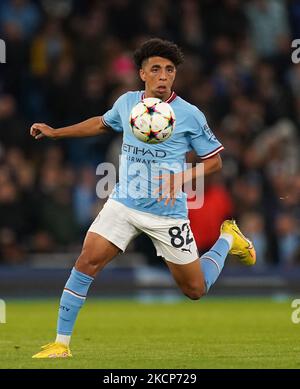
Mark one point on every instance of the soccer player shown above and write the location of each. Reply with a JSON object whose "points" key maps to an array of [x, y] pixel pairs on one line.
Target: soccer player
{"points": [[164, 219]]}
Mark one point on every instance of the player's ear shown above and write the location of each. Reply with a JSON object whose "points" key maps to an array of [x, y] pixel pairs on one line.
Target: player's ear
{"points": [[142, 74]]}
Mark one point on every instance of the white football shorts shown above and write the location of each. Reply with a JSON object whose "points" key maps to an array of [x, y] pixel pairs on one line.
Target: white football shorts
{"points": [[172, 238]]}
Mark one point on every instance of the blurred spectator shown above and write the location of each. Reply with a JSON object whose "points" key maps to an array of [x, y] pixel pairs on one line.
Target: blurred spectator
{"points": [[252, 225], [90, 102], [48, 48], [268, 25], [91, 33], [191, 34], [85, 198], [11, 123], [288, 238], [248, 194], [57, 8], [124, 16], [155, 19], [294, 13], [57, 218], [14, 221], [23, 15], [61, 91], [11, 252], [224, 18]]}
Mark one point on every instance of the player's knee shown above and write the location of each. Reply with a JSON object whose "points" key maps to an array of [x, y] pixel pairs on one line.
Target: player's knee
{"points": [[194, 292], [88, 261]]}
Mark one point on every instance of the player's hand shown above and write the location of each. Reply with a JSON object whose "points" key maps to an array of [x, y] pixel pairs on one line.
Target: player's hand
{"points": [[170, 185], [40, 130]]}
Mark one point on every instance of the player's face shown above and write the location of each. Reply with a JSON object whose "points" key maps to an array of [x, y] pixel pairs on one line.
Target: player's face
{"points": [[158, 74]]}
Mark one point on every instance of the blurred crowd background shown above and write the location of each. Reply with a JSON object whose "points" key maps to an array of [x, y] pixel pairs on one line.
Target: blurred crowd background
{"points": [[68, 60]]}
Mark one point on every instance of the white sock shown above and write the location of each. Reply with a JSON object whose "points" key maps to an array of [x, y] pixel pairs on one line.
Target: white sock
{"points": [[64, 339], [228, 238]]}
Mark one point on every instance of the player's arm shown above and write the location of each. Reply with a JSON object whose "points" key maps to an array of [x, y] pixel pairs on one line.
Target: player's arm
{"points": [[210, 165], [91, 127], [172, 183]]}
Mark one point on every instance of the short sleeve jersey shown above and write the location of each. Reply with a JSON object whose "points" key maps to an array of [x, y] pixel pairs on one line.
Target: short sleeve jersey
{"points": [[140, 162]]}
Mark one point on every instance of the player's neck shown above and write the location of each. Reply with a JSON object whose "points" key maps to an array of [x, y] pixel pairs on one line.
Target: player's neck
{"points": [[163, 97]]}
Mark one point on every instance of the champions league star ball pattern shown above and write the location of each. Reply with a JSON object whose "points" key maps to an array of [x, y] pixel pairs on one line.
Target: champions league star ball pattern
{"points": [[152, 120]]}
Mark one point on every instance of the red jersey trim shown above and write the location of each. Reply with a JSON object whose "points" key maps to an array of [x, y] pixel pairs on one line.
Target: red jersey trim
{"points": [[169, 100]]}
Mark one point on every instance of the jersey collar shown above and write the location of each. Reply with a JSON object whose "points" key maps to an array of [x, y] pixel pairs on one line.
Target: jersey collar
{"points": [[169, 100]]}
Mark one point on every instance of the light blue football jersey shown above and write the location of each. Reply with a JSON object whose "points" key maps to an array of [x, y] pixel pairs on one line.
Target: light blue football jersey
{"points": [[140, 162]]}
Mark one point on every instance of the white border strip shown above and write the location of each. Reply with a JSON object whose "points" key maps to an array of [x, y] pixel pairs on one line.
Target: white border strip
{"points": [[74, 294]]}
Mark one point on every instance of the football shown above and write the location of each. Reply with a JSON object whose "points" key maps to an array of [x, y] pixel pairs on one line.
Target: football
{"points": [[152, 120]]}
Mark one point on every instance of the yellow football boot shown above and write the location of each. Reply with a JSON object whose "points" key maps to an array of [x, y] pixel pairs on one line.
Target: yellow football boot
{"points": [[241, 246], [54, 350]]}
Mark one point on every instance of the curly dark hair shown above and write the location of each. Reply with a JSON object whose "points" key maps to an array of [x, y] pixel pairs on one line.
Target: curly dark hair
{"points": [[157, 47]]}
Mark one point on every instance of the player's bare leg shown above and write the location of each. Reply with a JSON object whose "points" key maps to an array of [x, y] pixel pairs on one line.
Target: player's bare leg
{"points": [[189, 278], [195, 278], [96, 253]]}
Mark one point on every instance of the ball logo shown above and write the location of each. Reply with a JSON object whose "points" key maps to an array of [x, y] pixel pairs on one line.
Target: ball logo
{"points": [[296, 52], [152, 120], [2, 51]]}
